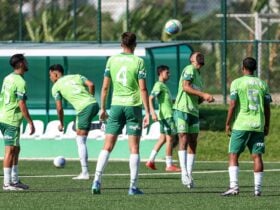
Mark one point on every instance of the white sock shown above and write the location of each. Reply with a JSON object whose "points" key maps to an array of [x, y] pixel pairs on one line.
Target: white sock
{"points": [[183, 161], [153, 156], [7, 175], [101, 163], [14, 174], [83, 154], [134, 161], [190, 163], [233, 176], [168, 161], [258, 180]]}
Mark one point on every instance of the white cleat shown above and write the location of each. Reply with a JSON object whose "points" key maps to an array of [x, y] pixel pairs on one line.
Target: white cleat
{"points": [[231, 191], [82, 176], [186, 181], [11, 188], [191, 184]]}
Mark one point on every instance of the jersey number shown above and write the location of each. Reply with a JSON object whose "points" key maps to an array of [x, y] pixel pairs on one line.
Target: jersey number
{"points": [[121, 76]]}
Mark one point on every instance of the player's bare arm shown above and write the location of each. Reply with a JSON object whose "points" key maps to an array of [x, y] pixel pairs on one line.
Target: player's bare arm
{"points": [[144, 96], [26, 115], [232, 105], [104, 92], [187, 87], [267, 118], [91, 87], [60, 113], [152, 109]]}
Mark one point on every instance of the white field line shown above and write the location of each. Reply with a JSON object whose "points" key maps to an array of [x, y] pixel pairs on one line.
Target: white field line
{"points": [[147, 174]]}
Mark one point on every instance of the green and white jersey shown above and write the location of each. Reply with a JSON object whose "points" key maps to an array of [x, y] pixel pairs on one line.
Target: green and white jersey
{"points": [[13, 90], [163, 95], [72, 88], [187, 102], [251, 93], [125, 70]]}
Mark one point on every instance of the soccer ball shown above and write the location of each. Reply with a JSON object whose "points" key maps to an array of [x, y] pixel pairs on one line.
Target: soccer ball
{"points": [[172, 27], [59, 162]]}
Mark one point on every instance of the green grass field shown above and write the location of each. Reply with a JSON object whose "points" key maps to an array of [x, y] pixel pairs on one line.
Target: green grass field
{"points": [[52, 188]]}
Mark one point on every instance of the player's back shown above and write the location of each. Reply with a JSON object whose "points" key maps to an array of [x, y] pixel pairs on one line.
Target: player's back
{"points": [[125, 70], [251, 93]]}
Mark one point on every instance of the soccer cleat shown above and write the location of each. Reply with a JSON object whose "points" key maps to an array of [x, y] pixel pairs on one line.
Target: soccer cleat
{"points": [[135, 191], [191, 184], [257, 193], [19, 184], [82, 176], [231, 191], [11, 188], [95, 189], [151, 165], [185, 180], [172, 168]]}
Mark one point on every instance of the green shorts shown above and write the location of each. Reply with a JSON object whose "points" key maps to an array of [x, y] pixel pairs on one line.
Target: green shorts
{"points": [[84, 118], [11, 134], [253, 140], [167, 126], [185, 122], [119, 116]]}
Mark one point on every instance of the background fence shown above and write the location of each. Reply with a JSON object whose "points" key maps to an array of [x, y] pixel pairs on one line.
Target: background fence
{"points": [[226, 31]]}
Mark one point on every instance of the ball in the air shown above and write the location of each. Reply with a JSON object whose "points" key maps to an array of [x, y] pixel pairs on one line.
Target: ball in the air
{"points": [[172, 27]]}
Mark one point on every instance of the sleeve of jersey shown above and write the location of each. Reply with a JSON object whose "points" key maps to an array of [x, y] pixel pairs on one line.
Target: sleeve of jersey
{"points": [[156, 90], [107, 70], [83, 78], [233, 91], [56, 94], [188, 74], [267, 96], [21, 92], [142, 71]]}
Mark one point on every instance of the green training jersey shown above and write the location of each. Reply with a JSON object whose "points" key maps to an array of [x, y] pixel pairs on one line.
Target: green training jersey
{"points": [[187, 102], [251, 93], [13, 90], [125, 70], [163, 95], [73, 89]]}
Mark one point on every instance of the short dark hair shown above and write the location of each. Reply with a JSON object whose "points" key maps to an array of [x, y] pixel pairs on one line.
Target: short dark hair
{"points": [[250, 64], [57, 67], [199, 58], [161, 68], [129, 39], [16, 59]]}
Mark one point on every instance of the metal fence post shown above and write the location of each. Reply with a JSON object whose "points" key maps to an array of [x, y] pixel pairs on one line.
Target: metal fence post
{"points": [[74, 19], [224, 49], [99, 19], [20, 20]]}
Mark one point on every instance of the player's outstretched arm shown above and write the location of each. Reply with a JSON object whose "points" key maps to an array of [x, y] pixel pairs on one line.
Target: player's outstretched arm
{"points": [[91, 87], [232, 105], [267, 118], [152, 109]]}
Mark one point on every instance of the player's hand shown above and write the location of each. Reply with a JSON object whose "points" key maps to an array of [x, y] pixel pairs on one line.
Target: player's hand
{"points": [[228, 130], [60, 127], [146, 121], [207, 97], [103, 116], [154, 117], [32, 128]]}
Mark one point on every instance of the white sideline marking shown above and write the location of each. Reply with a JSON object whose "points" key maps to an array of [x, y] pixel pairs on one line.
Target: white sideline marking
{"points": [[148, 174]]}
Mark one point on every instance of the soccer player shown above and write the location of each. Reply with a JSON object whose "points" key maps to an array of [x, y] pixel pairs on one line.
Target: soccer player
{"points": [[249, 110], [165, 118], [127, 74], [186, 115], [79, 92], [12, 110]]}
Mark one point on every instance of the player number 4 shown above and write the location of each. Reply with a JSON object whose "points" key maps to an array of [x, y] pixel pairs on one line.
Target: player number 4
{"points": [[121, 76]]}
